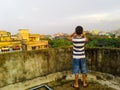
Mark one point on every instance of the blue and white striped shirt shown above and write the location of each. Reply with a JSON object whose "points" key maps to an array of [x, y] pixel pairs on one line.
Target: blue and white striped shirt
{"points": [[78, 47]]}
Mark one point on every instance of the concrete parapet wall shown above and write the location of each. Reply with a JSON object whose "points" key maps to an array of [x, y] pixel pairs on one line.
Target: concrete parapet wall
{"points": [[105, 60], [21, 66]]}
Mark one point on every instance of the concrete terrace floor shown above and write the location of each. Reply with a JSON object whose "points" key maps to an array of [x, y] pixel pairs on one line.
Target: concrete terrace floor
{"points": [[66, 85], [96, 81], [93, 84]]}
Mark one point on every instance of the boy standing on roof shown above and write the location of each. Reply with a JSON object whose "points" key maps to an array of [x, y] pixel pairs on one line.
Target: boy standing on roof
{"points": [[79, 60]]}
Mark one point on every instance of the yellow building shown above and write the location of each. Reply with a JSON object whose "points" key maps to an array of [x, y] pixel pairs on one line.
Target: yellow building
{"points": [[32, 41], [35, 43], [23, 34], [5, 36], [21, 41], [6, 43], [5, 39]]}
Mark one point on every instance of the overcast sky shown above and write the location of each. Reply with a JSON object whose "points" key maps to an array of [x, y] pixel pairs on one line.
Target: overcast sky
{"points": [[57, 16]]}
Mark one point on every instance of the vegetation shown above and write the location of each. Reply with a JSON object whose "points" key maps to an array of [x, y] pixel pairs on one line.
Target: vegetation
{"points": [[103, 41], [94, 41], [59, 43]]}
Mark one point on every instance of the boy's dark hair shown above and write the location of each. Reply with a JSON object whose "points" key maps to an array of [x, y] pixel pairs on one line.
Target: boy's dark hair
{"points": [[79, 30]]}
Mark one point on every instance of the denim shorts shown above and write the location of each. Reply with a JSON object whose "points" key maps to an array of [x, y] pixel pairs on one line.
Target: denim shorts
{"points": [[79, 66]]}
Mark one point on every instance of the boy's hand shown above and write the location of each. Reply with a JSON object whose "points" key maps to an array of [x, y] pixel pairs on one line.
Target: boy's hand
{"points": [[74, 33], [83, 34]]}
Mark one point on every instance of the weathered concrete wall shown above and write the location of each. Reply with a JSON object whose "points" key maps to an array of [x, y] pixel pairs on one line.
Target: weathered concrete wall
{"points": [[105, 60], [21, 66]]}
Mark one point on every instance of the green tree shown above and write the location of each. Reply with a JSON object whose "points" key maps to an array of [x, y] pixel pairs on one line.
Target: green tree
{"points": [[97, 41], [59, 43]]}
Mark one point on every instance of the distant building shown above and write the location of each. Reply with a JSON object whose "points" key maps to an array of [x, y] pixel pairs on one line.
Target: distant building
{"points": [[94, 32], [5, 36], [32, 41], [102, 33], [21, 41], [23, 34], [42, 36], [5, 40], [59, 35]]}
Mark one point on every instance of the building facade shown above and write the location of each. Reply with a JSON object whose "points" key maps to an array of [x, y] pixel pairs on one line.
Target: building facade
{"points": [[31, 41], [23, 40]]}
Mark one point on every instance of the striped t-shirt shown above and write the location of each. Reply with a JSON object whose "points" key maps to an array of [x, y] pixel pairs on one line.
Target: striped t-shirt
{"points": [[78, 47]]}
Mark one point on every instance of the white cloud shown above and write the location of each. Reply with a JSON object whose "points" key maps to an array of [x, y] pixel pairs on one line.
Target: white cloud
{"points": [[21, 17], [92, 17], [35, 9], [96, 18]]}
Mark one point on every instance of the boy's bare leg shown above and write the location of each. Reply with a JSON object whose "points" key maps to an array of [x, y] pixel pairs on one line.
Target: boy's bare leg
{"points": [[84, 79], [76, 80]]}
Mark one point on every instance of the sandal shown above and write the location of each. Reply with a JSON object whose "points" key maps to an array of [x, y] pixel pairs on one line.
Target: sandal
{"points": [[85, 86], [76, 88]]}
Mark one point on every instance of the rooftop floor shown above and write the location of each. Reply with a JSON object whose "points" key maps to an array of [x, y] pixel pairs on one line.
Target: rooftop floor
{"points": [[96, 81], [66, 85]]}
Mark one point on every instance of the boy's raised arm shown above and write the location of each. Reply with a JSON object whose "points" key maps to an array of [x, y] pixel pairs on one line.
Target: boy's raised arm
{"points": [[70, 36], [84, 34]]}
